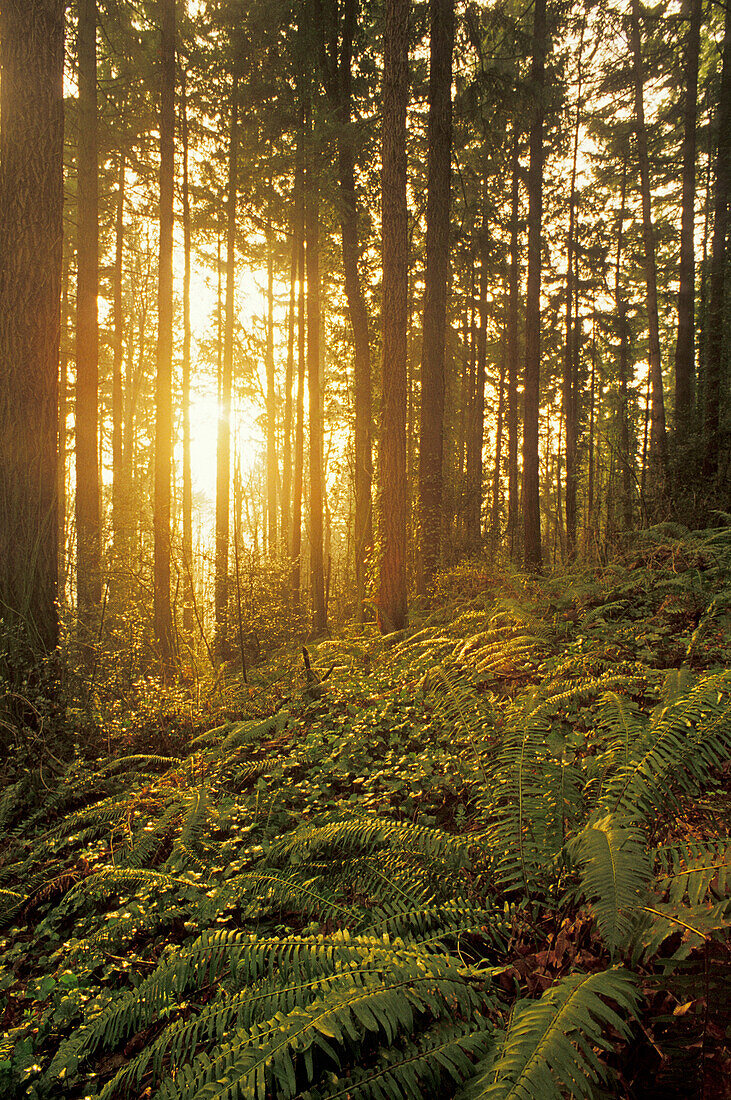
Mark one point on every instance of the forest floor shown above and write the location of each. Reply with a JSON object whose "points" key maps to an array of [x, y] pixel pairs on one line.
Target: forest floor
{"points": [[488, 856]]}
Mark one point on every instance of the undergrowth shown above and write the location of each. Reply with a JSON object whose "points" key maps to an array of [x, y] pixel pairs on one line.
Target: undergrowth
{"points": [[488, 858]]}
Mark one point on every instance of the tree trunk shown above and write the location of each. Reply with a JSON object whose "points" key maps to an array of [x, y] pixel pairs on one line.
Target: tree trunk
{"points": [[392, 598], [496, 479], [512, 344], [338, 84], [63, 415], [431, 449], [685, 347], [658, 440], [286, 501], [223, 450], [717, 336], [187, 476], [31, 179], [119, 520], [569, 389], [476, 428], [164, 380], [271, 400], [531, 492], [299, 189], [623, 371], [314, 385], [88, 535]]}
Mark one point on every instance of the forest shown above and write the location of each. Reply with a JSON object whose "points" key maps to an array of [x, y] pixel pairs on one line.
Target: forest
{"points": [[365, 549]]}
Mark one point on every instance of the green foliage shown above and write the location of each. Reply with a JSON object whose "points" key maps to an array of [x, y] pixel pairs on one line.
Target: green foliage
{"points": [[419, 882]]}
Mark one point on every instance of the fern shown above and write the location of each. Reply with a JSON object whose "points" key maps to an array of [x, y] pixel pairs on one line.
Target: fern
{"points": [[550, 1047], [615, 874], [683, 742]]}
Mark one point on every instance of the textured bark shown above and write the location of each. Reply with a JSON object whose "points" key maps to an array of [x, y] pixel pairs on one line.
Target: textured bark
{"points": [[392, 597], [223, 449], [31, 177], [314, 387], [119, 519], [271, 403], [299, 189], [286, 496], [685, 347], [337, 72], [431, 443], [569, 396], [531, 492], [476, 423], [63, 415], [716, 344], [623, 367], [164, 378], [658, 439], [512, 344], [494, 530], [88, 534], [187, 476]]}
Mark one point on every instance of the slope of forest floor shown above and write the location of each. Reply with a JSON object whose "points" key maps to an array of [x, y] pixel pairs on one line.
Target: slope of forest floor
{"points": [[486, 857]]}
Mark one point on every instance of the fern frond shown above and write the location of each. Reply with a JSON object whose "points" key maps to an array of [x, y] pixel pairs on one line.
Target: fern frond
{"points": [[614, 876], [414, 1070], [684, 741], [550, 1047]]}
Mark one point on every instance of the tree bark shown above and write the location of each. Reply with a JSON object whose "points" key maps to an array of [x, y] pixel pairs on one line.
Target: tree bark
{"points": [[623, 366], [569, 389], [685, 347], [716, 345], [88, 534], [476, 425], [164, 379], [431, 448], [271, 402], [31, 179], [286, 501], [223, 450], [512, 344], [187, 476], [299, 188], [119, 503], [314, 386], [531, 491], [337, 72], [658, 440], [392, 597]]}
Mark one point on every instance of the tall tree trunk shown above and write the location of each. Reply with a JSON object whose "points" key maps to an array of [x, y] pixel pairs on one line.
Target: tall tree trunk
{"points": [[497, 470], [392, 597], [314, 386], [164, 379], [118, 494], [223, 450], [88, 535], [623, 367], [271, 401], [431, 449], [532, 384], [63, 415], [717, 333], [569, 390], [658, 440], [476, 431], [337, 72], [685, 347], [187, 476], [512, 343], [31, 179], [286, 501], [299, 189]]}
